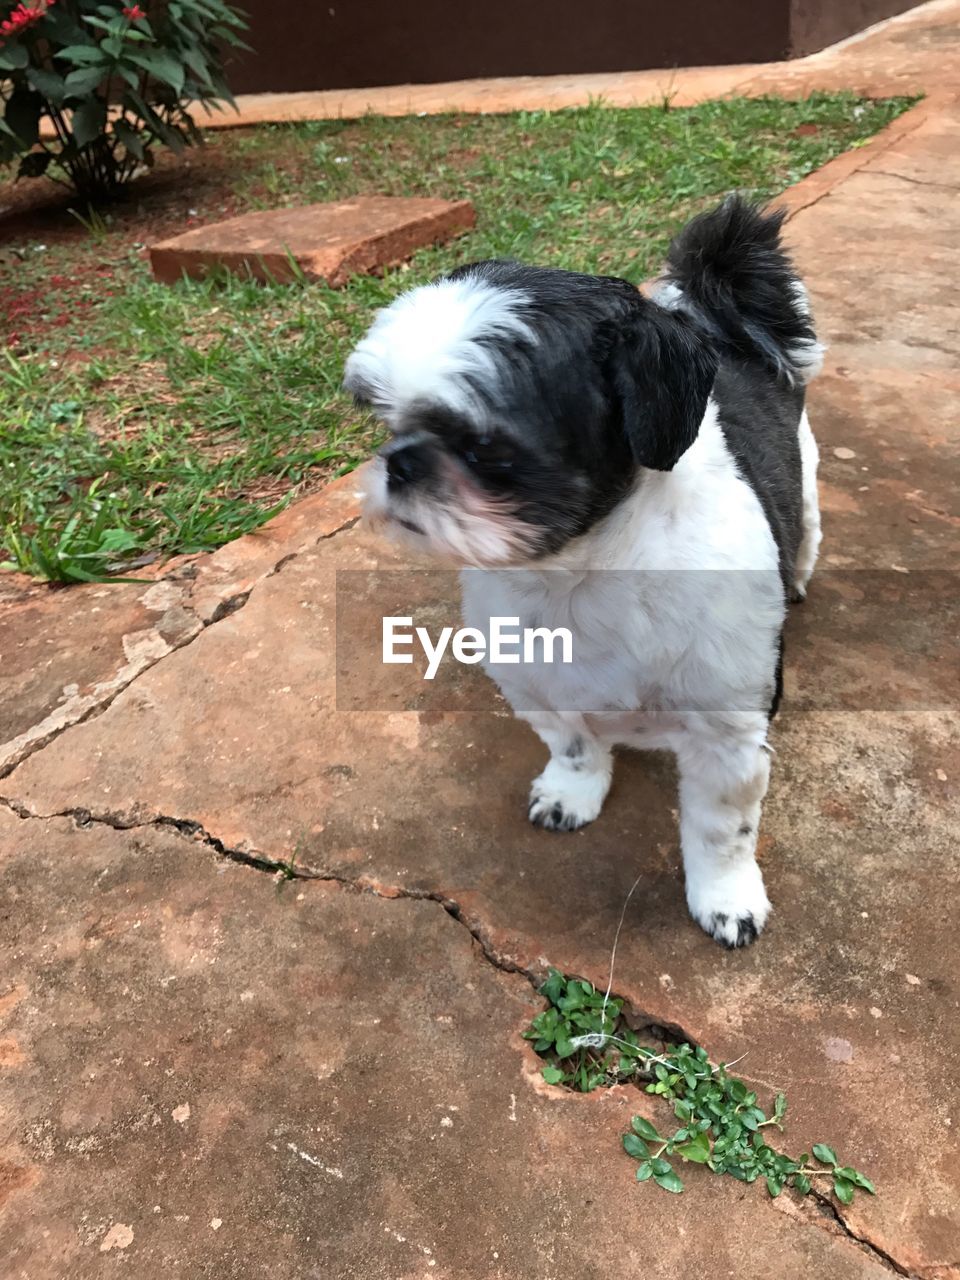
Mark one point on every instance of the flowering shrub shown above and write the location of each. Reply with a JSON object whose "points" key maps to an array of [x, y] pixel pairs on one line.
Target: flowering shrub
{"points": [[112, 80]]}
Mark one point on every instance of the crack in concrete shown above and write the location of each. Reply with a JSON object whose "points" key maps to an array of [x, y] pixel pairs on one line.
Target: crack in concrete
{"points": [[89, 706], [917, 182], [639, 1020], [828, 1212], [824, 1213]]}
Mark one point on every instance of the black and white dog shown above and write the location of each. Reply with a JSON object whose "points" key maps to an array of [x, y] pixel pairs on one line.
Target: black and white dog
{"points": [[639, 471]]}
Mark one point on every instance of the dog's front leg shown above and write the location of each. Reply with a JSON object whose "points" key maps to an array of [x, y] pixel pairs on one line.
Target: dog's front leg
{"points": [[722, 785], [572, 788]]}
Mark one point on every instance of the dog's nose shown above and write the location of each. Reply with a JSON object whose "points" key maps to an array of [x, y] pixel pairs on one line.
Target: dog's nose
{"points": [[407, 464]]}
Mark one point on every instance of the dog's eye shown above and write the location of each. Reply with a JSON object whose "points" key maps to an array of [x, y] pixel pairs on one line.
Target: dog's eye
{"points": [[487, 451]]}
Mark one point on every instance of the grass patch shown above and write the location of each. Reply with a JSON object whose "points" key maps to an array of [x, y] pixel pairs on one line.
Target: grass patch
{"points": [[138, 420]]}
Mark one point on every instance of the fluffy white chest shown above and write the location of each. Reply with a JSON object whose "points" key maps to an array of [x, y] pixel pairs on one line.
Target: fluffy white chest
{"points": [[674, 602]]}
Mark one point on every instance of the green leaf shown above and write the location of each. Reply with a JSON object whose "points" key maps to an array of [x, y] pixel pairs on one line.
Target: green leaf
{"points": [[552, 1075], [824, 1154], [802, 1183], [23, 115], [47, 83], [61, 28], [162, 66], [553, 987], [83, 55], [13, 57], [660, 1166], [88, 120], [635, 1146], [780, 1106], [774, 1186], [82, 82], [644, 1171], [669, 1181], [645, 1129], [697, 1150], [564, 1048], [749, 1121], [131, 140], [843, 1190], [860, 1180]]}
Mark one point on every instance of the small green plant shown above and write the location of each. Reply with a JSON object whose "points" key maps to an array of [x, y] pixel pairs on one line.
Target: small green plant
{"points": [[287, 871], [586, 1043], [113, 80]]}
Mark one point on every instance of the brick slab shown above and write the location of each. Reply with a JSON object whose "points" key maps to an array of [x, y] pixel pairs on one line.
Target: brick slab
{"points": [[330, 241]]}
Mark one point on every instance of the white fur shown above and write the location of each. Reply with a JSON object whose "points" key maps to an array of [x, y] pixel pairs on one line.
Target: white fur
{"points": [[804, 359], [812, 535], [427, 345], [675, 604], [799, 362]]}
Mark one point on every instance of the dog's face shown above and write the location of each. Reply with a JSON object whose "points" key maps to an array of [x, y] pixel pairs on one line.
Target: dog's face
{"points": [[521, 404]]}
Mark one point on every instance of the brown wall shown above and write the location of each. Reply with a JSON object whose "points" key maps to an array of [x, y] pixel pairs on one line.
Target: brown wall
{"points": [[816, 23], [340, 44]]}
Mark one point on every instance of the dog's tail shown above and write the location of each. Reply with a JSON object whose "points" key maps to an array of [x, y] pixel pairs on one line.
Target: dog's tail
{"points": [[728, 268]]}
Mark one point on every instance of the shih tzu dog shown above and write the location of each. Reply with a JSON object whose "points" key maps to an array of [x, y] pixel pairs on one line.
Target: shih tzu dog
{"points": [[640, 471]]}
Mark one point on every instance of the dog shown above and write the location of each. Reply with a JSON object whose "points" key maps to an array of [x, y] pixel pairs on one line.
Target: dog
{"points": [[640, 470]]}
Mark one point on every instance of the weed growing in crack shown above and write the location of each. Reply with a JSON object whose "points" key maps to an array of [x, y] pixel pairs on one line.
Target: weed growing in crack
{"points": [[287, 871], [586, 1042]]}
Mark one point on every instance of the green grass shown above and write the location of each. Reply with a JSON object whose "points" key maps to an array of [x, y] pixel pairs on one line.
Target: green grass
{"points": [[145, 420]]}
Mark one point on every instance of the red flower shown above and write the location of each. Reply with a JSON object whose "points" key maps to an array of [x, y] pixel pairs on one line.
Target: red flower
{"points": [[133, 12], [23, 17]]}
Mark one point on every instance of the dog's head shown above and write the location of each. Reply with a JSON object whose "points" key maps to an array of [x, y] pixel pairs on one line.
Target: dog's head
{"points": [[522, 402]]}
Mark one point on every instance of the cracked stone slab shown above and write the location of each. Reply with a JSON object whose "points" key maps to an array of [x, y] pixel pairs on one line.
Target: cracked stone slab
{"points": [[241, 732], [65, 654], [330, 241], [217, 1075]]}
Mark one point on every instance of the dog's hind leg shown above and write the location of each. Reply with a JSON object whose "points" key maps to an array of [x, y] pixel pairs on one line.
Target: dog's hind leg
{"points": [[572, 788], [810, 543]]}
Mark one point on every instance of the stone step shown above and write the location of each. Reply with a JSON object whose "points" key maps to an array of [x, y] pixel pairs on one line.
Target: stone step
{"points": [[330, 242]]}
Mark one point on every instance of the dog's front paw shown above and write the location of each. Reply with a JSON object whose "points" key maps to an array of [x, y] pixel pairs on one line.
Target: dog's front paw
{"points": [[732, 907], [562, 799]]}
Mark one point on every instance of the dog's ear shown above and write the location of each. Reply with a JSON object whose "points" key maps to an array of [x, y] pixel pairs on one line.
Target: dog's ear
{"points": [[660, 372]]}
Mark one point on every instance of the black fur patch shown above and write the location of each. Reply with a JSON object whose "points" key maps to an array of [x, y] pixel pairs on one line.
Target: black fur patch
{"points": [[747, 931], [777, 681], [734, 274], [760, 419], [611, 382]]}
